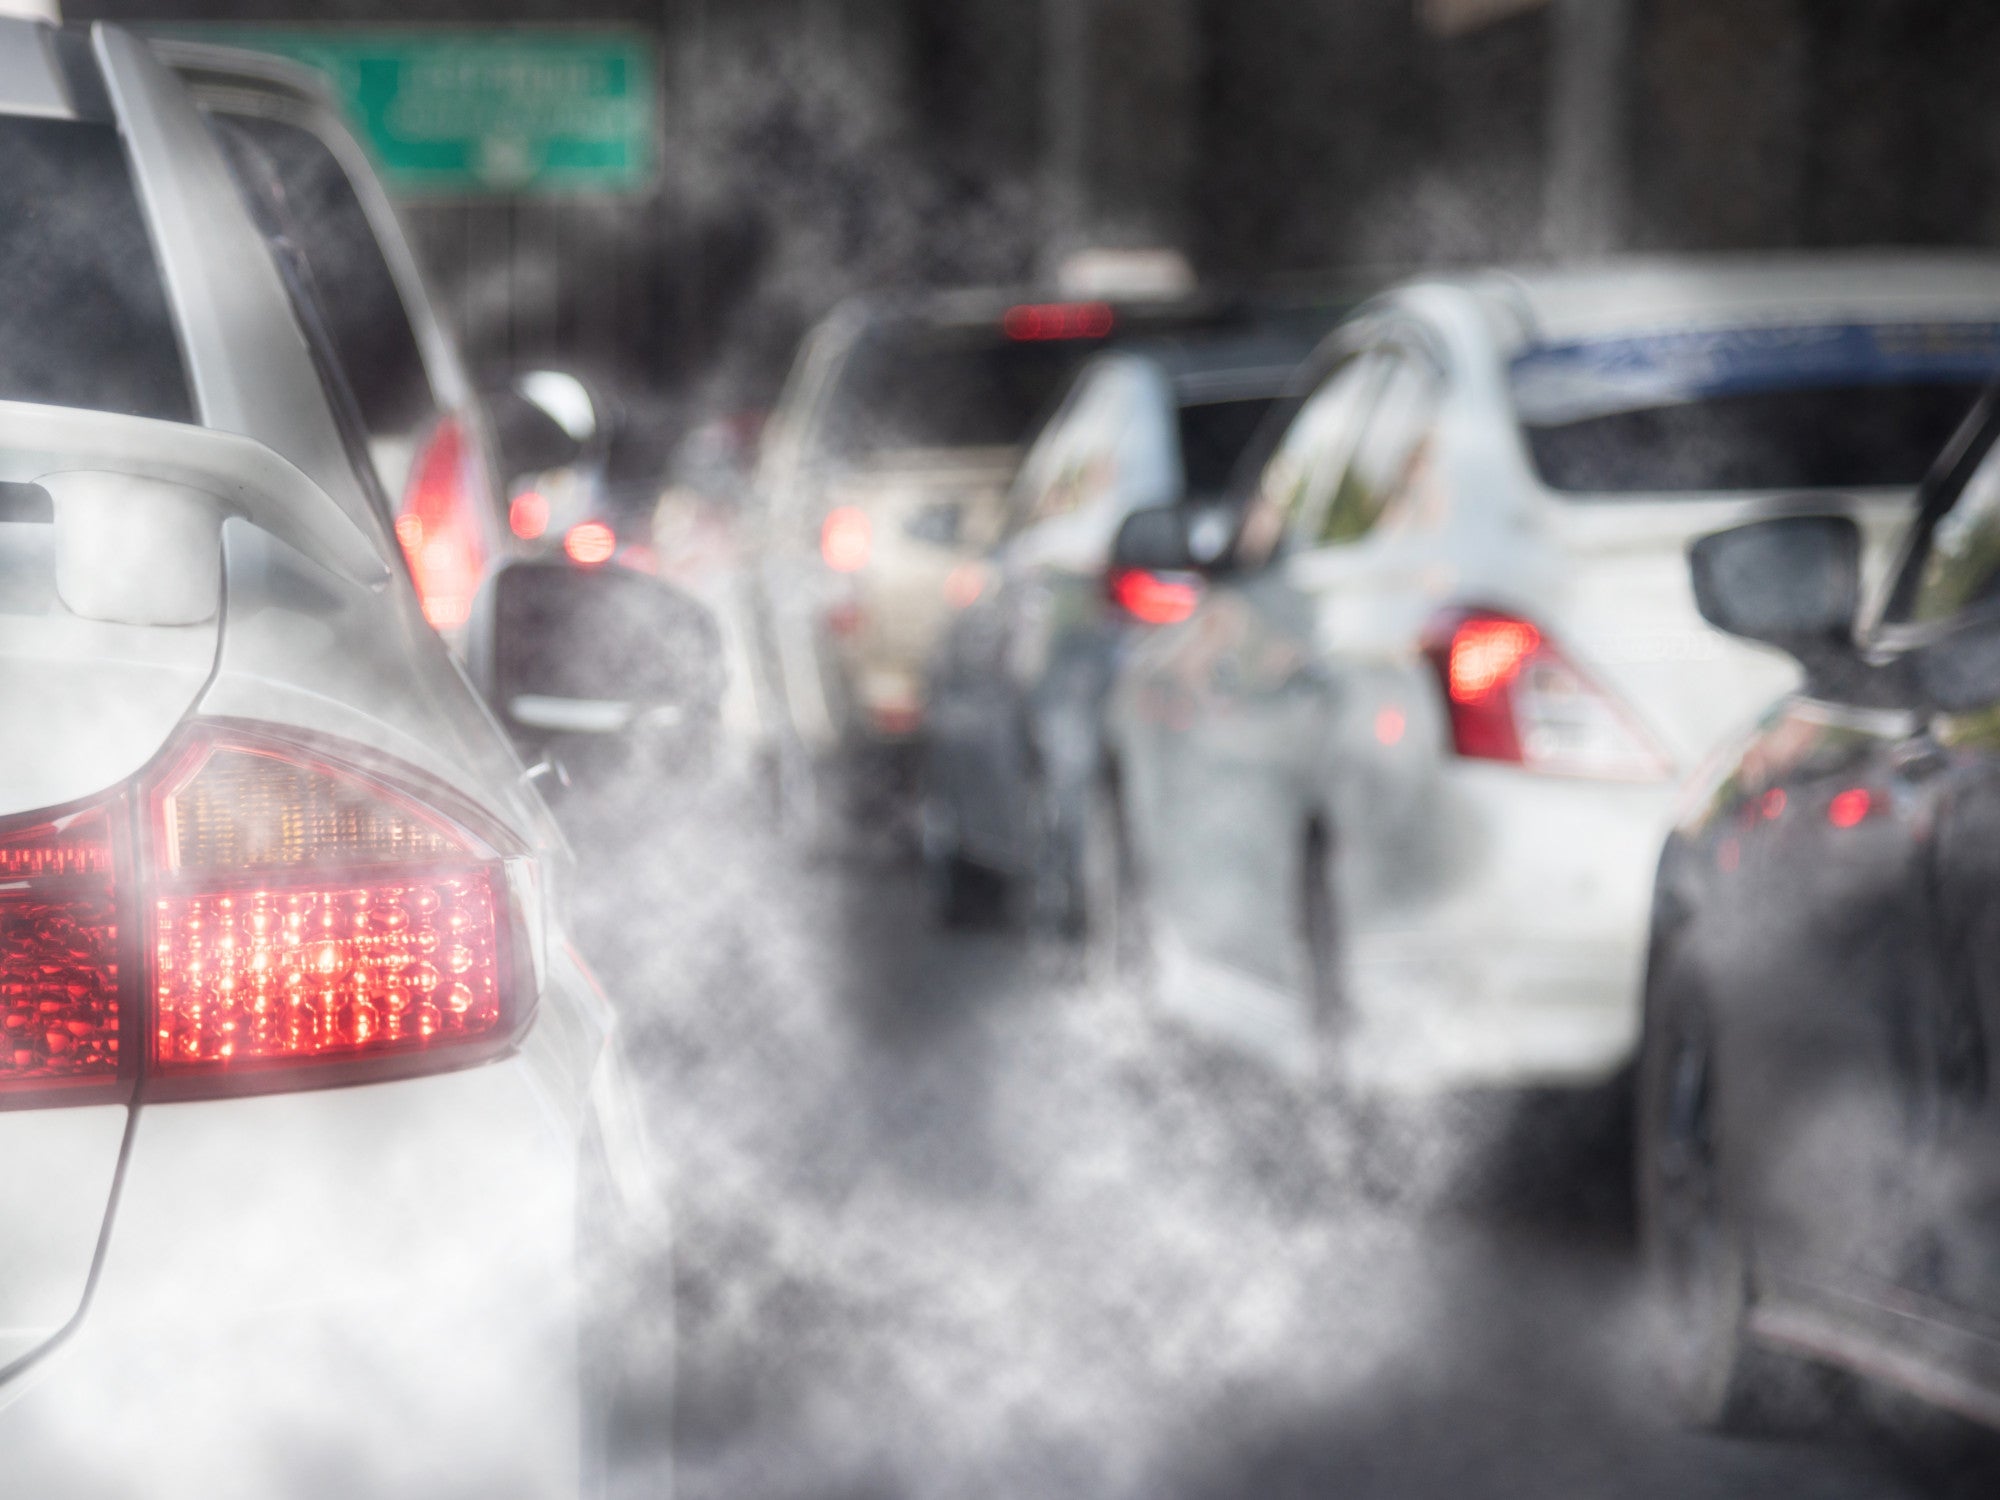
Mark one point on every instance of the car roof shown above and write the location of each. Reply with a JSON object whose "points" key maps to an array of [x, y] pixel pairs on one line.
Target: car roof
{"points": [[1260, 363], [1607, 298]]}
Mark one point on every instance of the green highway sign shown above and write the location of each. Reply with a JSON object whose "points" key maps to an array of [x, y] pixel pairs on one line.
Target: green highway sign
{"points": [[461, 110]]}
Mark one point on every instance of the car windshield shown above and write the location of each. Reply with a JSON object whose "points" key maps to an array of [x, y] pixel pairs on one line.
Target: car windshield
{"points": [[84, 321], [1213, 436], [915, 387], [1849, 406]]}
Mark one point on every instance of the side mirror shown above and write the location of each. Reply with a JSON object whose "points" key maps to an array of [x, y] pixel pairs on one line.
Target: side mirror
{"points": [[600, 662], [1793, 582], [1154, 540]]}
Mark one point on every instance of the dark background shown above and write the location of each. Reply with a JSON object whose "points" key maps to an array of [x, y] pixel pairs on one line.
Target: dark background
{"points": [[815, 147]]}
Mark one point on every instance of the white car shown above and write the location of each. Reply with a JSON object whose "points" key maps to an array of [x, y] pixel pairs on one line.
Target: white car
{"points": [[302, 1084], [1391, 798]]}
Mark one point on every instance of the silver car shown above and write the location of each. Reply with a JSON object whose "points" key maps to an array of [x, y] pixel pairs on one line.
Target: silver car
{"points": [[303, 1083]]}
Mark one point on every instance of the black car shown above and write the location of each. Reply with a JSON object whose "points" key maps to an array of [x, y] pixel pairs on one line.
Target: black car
{"points": [[1017, 689], [1819, 1157]]}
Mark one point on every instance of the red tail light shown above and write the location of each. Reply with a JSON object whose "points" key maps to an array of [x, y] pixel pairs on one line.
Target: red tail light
{"points": [[60, 960], [1036, 321], [1512, 696], [1849, 808], [846, 538], [528, 514], [304, 920], [589, 543], [1152, 599], [439, 525]]}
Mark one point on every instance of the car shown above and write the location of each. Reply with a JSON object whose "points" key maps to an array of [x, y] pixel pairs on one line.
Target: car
{"points": [[314, 1109], [1819, 1132], [482, 471], [1017, 691], [1390, 797], [884, 468]]}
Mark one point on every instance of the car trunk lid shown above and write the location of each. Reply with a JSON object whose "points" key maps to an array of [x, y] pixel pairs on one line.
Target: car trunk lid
{"points": [[1628, 614]]}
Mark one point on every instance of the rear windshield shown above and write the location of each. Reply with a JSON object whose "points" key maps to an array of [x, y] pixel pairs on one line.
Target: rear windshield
{"points": [[1824, 407], [1213, 437], [931, 388], [83, 318], [355, 289]]}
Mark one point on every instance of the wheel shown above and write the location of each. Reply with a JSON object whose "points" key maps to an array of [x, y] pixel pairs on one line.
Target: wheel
{"points": [[1320, 940], [1696, 1250], [625, 1329], [1111, 908], [1055, 893]]}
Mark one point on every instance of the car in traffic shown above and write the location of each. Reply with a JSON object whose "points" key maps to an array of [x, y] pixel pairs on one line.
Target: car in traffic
{"points": [[313, 1110], [1391, 795], [1016, 693], [481, 471], [1819, 1127], [885, 469]]}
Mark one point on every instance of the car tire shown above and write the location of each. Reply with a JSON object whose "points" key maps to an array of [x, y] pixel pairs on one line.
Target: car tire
{"points": [[1322, 959], [625, 1333], [963, 895], [1111, 908], [1055, 893], [1697, 1252]]}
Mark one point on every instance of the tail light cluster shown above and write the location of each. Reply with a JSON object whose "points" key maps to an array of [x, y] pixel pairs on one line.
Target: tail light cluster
{"points": [[439, 526], [1151, 598], [1512, 696], [260, 914]]}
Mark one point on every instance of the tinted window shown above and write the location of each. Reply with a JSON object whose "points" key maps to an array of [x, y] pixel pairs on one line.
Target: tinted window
{"points": [[1962, 567], [1299, 477], [84, 318], [942, 389], [1771, 408], [1776, 440], [355, 292], [1213, 435], [1391, 448]]}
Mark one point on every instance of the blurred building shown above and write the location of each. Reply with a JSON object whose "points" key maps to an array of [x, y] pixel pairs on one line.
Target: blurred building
{"points": [[812, 147]]}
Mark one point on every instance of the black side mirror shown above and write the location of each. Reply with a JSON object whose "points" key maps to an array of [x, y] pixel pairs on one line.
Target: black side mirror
{"points": [[590, 661], [1959, 670], [1793, 582], [1154, 540]]}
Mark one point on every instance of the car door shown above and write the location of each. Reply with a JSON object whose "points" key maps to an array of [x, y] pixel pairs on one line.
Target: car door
{"points": [[1955, 584], [1230, 689]]}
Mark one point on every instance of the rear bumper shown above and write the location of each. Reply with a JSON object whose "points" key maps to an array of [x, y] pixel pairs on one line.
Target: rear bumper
{"points": [[356, 1292], [1521, 964]]}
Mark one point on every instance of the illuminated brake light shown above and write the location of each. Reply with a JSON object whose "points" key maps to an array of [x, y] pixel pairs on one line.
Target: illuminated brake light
{"points": [[845, 539], [439, 526], [305, 914], [1487, 654], [1037, 321], [528, 515], [1154, 600], [271, 916], [590, 543], [1849, 808], [1511, 696], [59, 953]]}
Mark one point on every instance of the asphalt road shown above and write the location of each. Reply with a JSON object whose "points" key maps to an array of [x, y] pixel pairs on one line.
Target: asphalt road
{"points": [[950, 1222]]}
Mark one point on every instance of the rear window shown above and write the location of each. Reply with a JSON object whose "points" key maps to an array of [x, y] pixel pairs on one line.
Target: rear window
{"points": [[1214, 435], [1847, 406], [934, 388], [84, 318], [354, 288]]}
